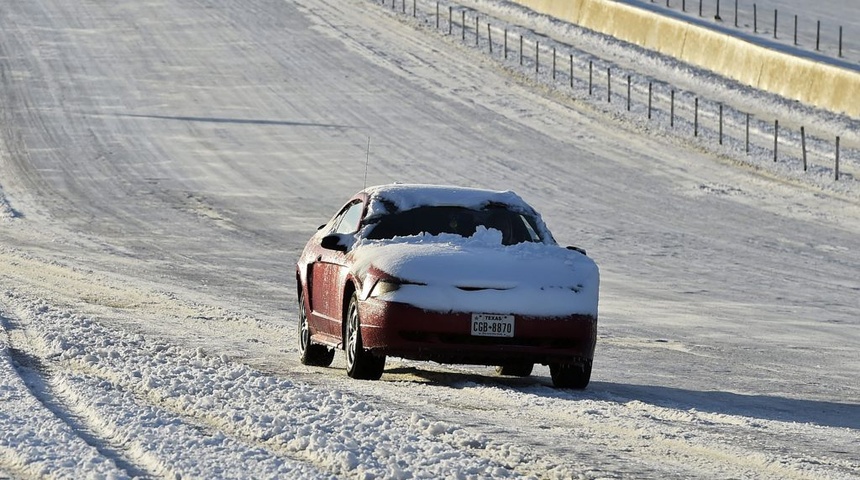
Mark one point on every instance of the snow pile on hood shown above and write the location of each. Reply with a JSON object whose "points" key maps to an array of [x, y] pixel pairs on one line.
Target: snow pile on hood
{"points": [[479, 274]]}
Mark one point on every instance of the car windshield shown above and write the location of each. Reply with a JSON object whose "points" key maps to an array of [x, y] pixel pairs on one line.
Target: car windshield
{"points": [[515, 227]]}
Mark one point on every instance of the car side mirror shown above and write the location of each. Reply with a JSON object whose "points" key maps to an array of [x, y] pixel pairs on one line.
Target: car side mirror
{"points": [[577, 249], [332, 242]]}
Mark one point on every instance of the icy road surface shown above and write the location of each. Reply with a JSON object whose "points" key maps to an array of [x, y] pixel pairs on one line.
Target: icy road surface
{"points": [[163, 162]]}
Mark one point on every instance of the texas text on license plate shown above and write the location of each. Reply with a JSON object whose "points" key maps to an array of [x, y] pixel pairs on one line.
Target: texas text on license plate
{"points": [[492, 325]]}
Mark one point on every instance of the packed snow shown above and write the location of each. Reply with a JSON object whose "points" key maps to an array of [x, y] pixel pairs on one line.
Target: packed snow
{"points": [[162, 164]]}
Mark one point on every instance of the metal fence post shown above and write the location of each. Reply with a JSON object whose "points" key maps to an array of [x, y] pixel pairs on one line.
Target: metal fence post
{"points": [[571, 70], [817, 35], [609, 84], [672, 110], [736, 13], [795, 29], [721, 124], [775, 16], [755, 18], [840, 41], [521, 49], [696, 118], [628, 92], [775, 139], [803, 146], [650, 87], [590, 77], [837, 159]]}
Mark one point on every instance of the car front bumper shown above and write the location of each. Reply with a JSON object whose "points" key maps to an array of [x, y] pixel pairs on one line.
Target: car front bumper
{"points": [[402, 330]]}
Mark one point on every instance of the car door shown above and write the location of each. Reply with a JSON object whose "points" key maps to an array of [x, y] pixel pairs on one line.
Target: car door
{"points": [[328, 273]]}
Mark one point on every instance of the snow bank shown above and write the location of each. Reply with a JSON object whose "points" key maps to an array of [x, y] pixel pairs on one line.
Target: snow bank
{"points": [[807, 81]]}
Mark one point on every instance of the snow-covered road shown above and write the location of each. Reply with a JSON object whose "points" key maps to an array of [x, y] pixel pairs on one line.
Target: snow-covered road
{"points": [[163, 162]]}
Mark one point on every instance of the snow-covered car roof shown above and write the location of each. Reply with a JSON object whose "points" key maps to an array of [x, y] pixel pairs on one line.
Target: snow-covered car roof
{"points": [[392, 198], [386, 199]]}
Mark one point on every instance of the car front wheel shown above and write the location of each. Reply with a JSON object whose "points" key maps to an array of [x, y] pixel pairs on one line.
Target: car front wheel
{"points": [[360, 363], [570, 375], [311, 354]]}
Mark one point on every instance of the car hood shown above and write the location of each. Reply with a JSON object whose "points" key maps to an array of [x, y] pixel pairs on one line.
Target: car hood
{"points": [[450, 273]]}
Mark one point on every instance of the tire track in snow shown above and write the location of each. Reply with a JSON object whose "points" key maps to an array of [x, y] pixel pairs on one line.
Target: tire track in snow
{"points": [[42, 385], [35, 438], [140, 437]]}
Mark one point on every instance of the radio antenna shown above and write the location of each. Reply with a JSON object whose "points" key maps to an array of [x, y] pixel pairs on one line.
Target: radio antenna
{"points": [[366, 160]]}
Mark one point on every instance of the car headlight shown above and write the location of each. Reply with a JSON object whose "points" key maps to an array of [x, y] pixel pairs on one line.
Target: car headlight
{"points": [[388, 285], [385, 285]]}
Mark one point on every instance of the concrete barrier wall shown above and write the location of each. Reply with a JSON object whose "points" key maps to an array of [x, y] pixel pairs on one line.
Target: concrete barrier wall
{"points": [[824, 86]]}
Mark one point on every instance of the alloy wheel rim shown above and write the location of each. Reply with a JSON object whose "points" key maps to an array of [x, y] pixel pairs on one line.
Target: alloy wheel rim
{"points": [[351, 336], [304, 330]]}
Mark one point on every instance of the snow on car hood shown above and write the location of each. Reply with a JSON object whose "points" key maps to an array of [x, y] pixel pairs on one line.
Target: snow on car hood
{"points": [[479, 274]]}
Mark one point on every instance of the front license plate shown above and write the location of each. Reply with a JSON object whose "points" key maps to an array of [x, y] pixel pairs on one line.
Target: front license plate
{"points": [[492, 325]]}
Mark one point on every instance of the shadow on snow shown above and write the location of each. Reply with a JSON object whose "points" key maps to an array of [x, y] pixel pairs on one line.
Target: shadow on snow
{"points": [[764, 407]]}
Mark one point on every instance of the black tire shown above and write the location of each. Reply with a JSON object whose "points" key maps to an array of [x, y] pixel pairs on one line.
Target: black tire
{"points": [[311, 354], [360, 363], [570, 375], [523, 369]]}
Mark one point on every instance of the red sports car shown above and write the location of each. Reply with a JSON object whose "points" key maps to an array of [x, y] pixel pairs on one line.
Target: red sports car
{"points": [[449, 274]]}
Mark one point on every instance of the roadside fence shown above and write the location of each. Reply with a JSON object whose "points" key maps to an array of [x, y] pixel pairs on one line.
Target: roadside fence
{"points": [[712, 125]]}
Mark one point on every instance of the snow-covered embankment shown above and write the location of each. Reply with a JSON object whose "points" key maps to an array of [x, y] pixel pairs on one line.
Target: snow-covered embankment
{"points": [[802, 79]]}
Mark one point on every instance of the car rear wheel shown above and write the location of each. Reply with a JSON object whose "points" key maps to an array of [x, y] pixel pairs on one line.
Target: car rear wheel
{"points": [[311, 354], [570, 375], [523, 369], [360, 363]]}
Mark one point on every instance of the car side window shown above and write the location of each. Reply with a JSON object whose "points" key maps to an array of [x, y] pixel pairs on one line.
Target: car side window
{"points": [[533, 236], [348, 221]]}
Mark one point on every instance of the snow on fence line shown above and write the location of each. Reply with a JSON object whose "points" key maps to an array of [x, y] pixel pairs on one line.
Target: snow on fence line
{"points": [[687, 112]]}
